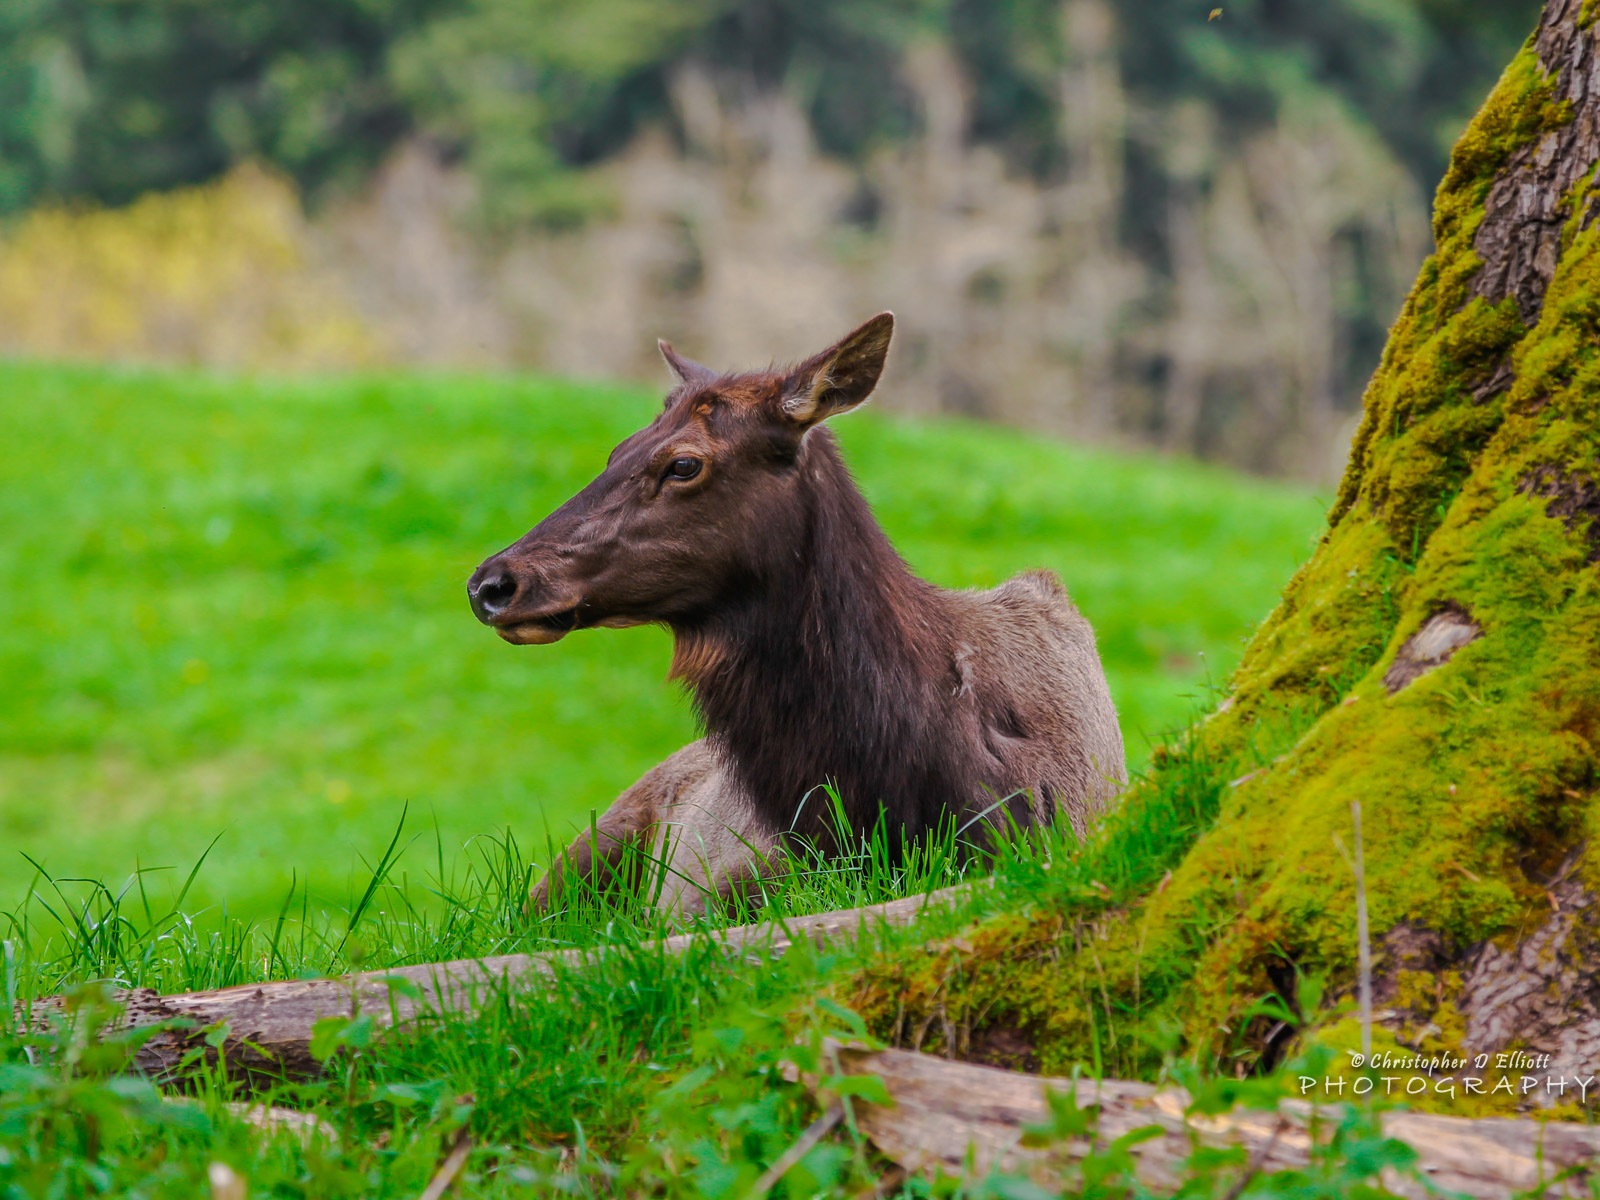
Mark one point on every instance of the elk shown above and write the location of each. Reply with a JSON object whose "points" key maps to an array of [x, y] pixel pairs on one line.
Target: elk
{"points": [[811, 651]]}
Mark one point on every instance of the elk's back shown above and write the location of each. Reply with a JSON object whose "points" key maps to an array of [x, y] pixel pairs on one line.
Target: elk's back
{"points": [[1029, 663]]}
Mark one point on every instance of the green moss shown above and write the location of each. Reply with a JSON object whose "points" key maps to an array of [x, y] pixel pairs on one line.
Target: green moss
{"points": [[1421, 430], [1331, 625], [1474, 781], [1455, 341]]}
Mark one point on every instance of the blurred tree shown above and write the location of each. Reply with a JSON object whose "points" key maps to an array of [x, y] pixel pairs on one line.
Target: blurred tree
{"points": [[1416, 69], [108, 99], [1199, 211], [525, 88], [528, 88]]}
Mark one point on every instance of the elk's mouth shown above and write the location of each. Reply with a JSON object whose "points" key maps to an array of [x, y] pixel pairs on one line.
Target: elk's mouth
{"points": [[541, 630]]}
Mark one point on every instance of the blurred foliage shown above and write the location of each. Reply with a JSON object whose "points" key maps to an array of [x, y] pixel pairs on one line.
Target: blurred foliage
{"points": [[109, 99], [217, 274], [1416, 69], [525, 87]]}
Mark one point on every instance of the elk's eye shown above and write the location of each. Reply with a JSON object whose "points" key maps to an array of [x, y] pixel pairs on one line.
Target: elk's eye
{"points": [[683, 468]]}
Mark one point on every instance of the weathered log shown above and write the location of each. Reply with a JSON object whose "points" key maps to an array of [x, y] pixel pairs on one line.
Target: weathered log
{"points": [[269, 1025], [946, 1111]]}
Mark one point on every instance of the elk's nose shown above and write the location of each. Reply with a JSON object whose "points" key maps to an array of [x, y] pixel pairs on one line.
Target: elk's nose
{"points": [[489, 591]]}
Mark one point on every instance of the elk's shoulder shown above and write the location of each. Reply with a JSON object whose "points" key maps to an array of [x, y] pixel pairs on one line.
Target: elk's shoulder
{"points": [[1028, 617], [1036, 595], [1039, 584]]}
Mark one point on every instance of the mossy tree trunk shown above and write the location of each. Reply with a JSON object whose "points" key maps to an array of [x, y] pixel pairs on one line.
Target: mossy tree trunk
{"points": [[1437, 660]]}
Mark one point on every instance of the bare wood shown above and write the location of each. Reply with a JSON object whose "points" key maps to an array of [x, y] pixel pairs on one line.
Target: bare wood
{"points": [[944, 1110], [449, 1169], [272, 1117], [269, 1024], [815, 1132]]}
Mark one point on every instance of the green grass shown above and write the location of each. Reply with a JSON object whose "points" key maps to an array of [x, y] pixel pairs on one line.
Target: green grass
{"points": [[633, 1073], [616, 1067], [233, 606]]}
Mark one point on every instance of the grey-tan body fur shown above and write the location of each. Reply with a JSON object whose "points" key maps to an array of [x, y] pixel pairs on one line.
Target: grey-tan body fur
{"points": [[1021, 649]]}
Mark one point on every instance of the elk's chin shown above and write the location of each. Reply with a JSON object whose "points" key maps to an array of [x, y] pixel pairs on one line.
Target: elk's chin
{"points": [[530, 633]]}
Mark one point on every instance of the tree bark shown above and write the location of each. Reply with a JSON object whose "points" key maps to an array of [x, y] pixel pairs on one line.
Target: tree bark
{"points": [[1435, 660], [1520, 239]]}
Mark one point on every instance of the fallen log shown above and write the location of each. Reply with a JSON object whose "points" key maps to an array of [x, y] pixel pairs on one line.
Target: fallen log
{"points": [[960, 1118], [268, 1026]]}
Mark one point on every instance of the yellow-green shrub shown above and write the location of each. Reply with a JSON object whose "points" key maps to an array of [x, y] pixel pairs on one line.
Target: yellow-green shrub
{"points": [[219, 275]]}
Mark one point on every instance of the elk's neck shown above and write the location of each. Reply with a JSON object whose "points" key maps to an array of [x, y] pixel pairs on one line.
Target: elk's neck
{"points": [[831, 670]]}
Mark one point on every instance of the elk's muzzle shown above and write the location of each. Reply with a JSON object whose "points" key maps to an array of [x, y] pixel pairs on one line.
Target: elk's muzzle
{"points": [[519, 605]]}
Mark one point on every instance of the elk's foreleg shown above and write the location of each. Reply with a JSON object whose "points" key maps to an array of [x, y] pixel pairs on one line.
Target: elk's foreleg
{"points": [[685, 831], [601, 856]]}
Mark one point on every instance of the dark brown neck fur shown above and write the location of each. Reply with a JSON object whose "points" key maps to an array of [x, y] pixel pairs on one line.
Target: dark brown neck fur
{"points": [[833, 667]]}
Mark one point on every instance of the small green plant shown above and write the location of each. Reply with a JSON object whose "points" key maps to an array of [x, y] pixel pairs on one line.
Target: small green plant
{"points": [[74, 1121]]}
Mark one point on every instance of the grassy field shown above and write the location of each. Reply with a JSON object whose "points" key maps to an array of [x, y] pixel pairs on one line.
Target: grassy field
{"points": [[235, 607], [632, 1072]]}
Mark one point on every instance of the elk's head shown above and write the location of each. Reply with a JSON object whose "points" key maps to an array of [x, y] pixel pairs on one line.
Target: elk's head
{"points": [[693, 513]]}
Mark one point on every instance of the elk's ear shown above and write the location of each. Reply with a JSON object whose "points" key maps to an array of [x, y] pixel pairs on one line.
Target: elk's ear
{"points": [[685, 370], [841, 377]]}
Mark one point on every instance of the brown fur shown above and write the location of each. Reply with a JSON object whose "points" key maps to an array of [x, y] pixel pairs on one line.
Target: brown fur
{"points": [[812, 652]]}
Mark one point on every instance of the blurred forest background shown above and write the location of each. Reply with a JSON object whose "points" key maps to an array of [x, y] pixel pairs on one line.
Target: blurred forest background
{"points": [[1139, 223]]}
